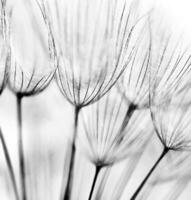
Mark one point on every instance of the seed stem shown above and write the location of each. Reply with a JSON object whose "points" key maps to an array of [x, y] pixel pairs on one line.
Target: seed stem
{"points": [[97, 170], [131, 109], [21, 148], [72, 156], [165, 151]]}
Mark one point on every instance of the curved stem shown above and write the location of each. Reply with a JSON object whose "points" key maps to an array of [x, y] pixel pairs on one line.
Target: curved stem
{"points": [[9, 165], [21, 149], [98, 168], [165, 151], [72, 156]]}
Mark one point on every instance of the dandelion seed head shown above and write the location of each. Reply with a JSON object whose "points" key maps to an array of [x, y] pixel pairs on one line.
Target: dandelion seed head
{"points": [[172, 122], [134, 83], [4, 46], [95, 46], [169, 89], [31, 65], [110, 134]]}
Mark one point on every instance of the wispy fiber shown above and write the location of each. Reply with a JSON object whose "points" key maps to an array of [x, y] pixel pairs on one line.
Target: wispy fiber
{"points": [[134, 83], [95, 44], [4, 45], [31, 71], [109, 136], [170, 67]]}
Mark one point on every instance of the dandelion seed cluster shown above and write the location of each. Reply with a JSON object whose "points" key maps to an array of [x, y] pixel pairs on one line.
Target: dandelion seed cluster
{"points": [[127, 80]]}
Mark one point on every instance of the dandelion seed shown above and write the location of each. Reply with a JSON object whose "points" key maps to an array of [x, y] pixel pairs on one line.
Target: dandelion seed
{"points": [[169, 75], [97, 48], [134, 83], [95, 41], [4, 68], [31, 70], [109, 139], [4, 46]]}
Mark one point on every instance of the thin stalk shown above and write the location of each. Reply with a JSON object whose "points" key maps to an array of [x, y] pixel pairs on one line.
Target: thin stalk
{"points": [[98, 168], [21, 149], [72, 156], [131, 109], [165, 151], [9, 165], [103, 182]]}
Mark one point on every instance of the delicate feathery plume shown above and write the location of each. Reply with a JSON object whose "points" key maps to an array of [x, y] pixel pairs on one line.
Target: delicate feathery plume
{"points": [[106, 135], [170, 65], [133, 85], [168, 96], [97, 43], [4, 69], [122, 181], [171, 121], [94, 44], [134, 82], [4, 45], [31, 67]]}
